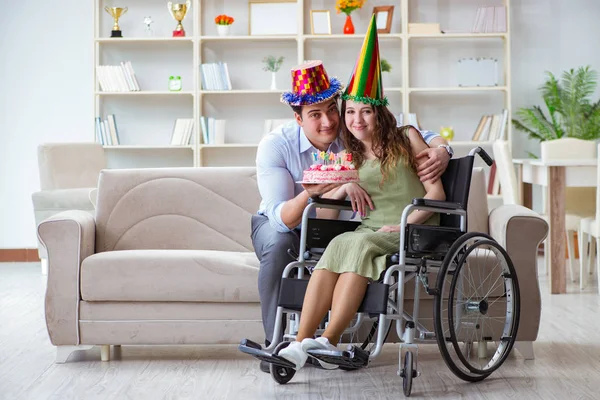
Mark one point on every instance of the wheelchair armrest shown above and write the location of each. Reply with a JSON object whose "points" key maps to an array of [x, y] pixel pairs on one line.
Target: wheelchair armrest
{"points": [[330, 202], [437, 204]]}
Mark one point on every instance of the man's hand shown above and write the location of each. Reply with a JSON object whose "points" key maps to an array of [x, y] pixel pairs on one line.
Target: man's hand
{"points": [[436, 164], [318, 189], [389, 228]]}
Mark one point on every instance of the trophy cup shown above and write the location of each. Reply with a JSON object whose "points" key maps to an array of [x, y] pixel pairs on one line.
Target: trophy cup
{"points": [[116, 12], [178, 12]]}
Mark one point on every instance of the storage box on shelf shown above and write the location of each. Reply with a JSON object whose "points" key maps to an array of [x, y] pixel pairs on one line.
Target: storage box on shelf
{"points": [[422, 79]]}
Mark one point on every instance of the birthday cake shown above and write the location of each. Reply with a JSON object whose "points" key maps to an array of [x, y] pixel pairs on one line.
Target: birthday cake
{"points": [[331, 167]]}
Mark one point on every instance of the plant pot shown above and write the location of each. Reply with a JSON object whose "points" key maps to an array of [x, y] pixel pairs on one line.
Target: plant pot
{"points": [[273, 81], [348, 26], [223, 30]]}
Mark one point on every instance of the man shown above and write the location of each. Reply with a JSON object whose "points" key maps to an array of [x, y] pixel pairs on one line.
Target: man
{"points": [[282, 157]]}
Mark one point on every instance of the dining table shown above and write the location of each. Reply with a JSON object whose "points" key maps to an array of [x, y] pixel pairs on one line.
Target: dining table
{"points": [[554, 175]]}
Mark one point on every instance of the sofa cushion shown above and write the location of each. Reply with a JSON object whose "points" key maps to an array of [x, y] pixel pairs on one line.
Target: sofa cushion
{"points": [[207, 208], [170, 275]]}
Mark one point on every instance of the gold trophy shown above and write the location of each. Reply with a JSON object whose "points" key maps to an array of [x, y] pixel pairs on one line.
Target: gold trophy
{"points": [[178, 12], [116, 13]]}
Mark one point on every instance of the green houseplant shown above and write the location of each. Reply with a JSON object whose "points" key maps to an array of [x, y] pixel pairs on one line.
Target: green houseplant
{"points": [[571, 113], [385, 65], [272, 64]]}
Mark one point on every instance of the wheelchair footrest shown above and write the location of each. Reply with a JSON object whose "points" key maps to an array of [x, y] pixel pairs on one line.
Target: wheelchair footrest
{"points": [[255, 350], [353, 358]]}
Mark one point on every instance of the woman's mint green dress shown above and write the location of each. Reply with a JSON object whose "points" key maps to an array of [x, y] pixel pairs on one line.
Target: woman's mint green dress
{"points": [[364, 250]]}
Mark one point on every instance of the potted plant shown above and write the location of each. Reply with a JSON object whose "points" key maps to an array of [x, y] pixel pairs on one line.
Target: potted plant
{"points": [[223, 23], [346, 7], [571, 113], [272, 65], [385, 67]]}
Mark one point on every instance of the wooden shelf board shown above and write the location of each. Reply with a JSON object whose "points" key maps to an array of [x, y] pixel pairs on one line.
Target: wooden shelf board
{"points": [[228, 145], [147, 93], [458, 89], [351, 37], [145, 39], [242, 91], [148, 147], [461, 35], [250, 38], [473, 143]]}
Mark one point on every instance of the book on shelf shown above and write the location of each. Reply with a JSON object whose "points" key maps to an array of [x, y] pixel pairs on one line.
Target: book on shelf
{"points": [[182, 132], [215, 76], [107, 132], [493, 187], [117, 78], [213, 130], [491, 127], [489, 20]]}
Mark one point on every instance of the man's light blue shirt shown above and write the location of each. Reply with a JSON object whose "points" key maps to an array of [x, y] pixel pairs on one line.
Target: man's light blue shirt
{"points": [[281, 159]]}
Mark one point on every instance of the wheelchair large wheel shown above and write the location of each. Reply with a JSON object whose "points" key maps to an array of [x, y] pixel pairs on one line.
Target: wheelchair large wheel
{"points": [[477, 301]]}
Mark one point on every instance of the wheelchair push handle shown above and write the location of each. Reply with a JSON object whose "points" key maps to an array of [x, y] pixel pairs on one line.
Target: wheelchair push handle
{"points": [[483, 154]]}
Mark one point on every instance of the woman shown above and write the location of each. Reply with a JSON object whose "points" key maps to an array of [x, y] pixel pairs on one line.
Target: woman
{"points": [[385, 158]]}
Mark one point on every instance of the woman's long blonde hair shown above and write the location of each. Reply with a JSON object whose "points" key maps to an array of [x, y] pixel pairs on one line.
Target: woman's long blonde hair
{"points": [[390, 143]]}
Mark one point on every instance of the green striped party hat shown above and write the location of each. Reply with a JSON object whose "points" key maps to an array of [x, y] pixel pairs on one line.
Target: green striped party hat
{"points": [[365, 83]]}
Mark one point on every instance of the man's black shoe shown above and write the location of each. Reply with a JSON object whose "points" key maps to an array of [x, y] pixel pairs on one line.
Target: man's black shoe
{"points": [[265, 367]]}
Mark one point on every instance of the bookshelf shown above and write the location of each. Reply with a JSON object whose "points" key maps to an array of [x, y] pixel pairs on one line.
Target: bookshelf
{"points": [[422, 80]]}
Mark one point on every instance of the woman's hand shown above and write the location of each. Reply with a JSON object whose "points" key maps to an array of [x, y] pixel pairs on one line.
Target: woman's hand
{"points": [[359, 198], [389, 228]]}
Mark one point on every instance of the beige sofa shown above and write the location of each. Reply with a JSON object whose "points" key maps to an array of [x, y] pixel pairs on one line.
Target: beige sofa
{"points": [[168, 259]]}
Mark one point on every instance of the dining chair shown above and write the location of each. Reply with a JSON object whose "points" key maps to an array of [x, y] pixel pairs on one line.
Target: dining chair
{"points": [[589, 229]]}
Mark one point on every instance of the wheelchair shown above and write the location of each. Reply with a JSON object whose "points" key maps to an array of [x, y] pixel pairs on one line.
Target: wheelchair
{"points": [[475, 296]]}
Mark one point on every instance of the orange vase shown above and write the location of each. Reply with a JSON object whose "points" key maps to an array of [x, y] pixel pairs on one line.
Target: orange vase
{"points": [[348, 26]]}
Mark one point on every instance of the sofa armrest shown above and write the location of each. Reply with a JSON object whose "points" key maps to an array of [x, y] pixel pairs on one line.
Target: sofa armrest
{"points": [[520, 231], [69, 238], [47, 203]]}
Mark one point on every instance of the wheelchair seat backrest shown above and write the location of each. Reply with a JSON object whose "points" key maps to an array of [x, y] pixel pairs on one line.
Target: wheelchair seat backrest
{"points": [[457, 184]]}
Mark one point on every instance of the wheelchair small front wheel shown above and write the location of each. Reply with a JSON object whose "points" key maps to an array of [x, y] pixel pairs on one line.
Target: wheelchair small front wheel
{"points": [[477, 301], [281, 375], [408, 373]]}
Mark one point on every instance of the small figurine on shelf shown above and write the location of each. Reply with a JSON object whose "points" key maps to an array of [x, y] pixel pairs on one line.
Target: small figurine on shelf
{"points": [[223, 23], [147, 22], [272, 64], [174, 83]]}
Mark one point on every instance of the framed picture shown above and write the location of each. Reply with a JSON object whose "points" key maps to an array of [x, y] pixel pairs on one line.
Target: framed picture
{"points": [[261, 19], [383, 18], [320, 22]]}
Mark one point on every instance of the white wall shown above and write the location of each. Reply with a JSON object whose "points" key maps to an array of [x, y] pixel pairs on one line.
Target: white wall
{"points": [[46, 83], [45, 96]]}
